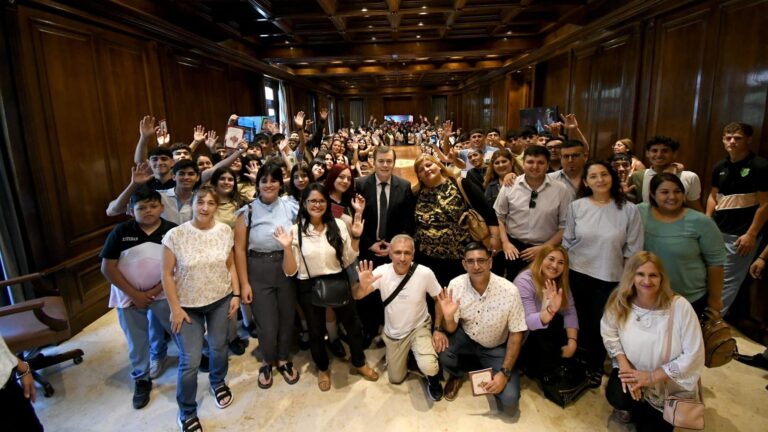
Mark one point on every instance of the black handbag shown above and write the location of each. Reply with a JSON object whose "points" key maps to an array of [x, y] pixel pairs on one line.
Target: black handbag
{"points": [[333, 290]]}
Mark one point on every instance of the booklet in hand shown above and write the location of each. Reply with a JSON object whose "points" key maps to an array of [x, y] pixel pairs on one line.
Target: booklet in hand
{"points": [[478, 378]]}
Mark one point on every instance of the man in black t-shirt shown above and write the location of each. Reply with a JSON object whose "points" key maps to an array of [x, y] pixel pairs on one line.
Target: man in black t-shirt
{"points": [[132, 263], [738, 203]]}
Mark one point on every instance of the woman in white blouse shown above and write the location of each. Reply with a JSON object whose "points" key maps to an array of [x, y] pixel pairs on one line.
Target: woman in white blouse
{"points": [[327, 248], [601, 231], [634, 328], [201, 284]]}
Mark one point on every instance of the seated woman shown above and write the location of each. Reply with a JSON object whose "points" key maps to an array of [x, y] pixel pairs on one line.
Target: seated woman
{"points": [[203, 292], [635, 329], [326, 248], [687, 238], [549, 313]]}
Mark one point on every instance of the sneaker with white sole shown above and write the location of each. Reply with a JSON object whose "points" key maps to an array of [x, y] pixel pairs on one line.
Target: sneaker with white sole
{"points": [[156, 367]]}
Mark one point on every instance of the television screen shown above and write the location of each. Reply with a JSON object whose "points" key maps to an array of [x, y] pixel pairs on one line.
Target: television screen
{"points": [[399, 118], [538, 117], [253, 125]]}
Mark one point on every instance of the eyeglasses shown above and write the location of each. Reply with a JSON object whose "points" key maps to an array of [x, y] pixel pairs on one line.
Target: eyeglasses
{"points": [[476, 261], [385, 161], [316, 202], [571, 156], [532, 202]]}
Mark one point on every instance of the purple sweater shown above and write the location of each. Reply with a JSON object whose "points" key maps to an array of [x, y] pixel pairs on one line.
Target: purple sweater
{"points": [[532, 305]]}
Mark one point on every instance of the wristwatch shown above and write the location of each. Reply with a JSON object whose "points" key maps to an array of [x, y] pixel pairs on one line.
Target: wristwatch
{"points": [[440, 329], [507, 373]]}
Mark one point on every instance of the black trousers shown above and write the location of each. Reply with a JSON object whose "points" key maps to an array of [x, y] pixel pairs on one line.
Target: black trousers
{"points": [[315, 315], [370, 308], [646, 417], [590, 296], [542, 352], [16, 411], [516, 266]]}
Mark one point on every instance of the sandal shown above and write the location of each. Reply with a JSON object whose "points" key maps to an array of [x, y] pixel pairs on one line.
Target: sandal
{"points": [[265, 372], [290, 375], [191, 424], [367, 373], [223, 396], [324, 380]]}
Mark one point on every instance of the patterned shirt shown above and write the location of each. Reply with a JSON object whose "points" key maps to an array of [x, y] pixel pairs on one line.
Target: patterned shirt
{"points": [[202, 276], [488, 318], [437, 214]]}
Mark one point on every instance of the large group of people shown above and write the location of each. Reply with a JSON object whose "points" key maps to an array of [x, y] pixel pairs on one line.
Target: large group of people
{"points": [[310, 236]]}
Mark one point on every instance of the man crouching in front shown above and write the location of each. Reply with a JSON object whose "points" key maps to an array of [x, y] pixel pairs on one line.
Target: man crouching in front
{"points": [[483, 316]]}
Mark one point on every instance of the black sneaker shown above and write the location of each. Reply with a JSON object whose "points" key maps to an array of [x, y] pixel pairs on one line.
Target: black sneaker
{"points": [[238, 346], [337, 348], [141, 393], [205, 364], [434, 388]]}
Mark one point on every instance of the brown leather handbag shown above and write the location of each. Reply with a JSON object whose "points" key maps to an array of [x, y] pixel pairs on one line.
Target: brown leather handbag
{"points": [[472, 221], [719, 346]]}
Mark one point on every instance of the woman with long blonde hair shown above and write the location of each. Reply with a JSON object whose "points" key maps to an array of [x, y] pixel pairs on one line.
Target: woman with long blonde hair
{"points": [[549, 313], [635, 328]]}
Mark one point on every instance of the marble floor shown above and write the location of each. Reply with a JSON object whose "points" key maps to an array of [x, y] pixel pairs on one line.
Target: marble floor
{"points": [[96, 396]]}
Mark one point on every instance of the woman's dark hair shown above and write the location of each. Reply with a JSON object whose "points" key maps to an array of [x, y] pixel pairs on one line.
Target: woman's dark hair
{"points": [[657, 180], [303, 168], [271, 169], [332, 233], [321, 162], [616, 192], [333, 174], [234, 195]]}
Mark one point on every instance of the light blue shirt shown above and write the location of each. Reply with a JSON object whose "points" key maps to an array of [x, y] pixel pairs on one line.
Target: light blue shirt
{"points": [[265, 219]]}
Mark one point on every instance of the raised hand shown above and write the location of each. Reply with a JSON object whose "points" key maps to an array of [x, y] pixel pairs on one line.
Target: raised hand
{"points": [[358, 203], [365, 272], [553, 294], [283, 236], [210, 139], [324, 113], [447, 304], [232, 120], [357, 224], [554, 128], [147, 126], [298, 120], [569, 121], [251, 170], [198, 134], [447, 128], [271, 127], [141, 173]]}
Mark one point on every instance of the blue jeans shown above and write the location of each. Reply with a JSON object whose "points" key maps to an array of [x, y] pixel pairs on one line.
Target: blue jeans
{"points": [[461, 344], [158, 325], [190, 342], [137, 326], [736, 268]]}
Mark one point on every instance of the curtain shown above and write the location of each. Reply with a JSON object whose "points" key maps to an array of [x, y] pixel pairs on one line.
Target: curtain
{"points": [[356, 114], [282, 103], [12, 260], [439, 108]]}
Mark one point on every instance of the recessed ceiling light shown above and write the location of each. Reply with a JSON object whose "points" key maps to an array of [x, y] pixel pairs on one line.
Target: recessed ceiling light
{"points": [[373, 38], [287, 42], [337, 62], [369, 61], [303, 63], [418, 36], [266, 35], [421, 23], [370, 26], [455, 57], [509, 32], [422, 13], [424, 7], [364, 10]]}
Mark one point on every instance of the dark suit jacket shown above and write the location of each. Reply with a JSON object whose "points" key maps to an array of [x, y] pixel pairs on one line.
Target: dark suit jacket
{"points": [[399, 209]]}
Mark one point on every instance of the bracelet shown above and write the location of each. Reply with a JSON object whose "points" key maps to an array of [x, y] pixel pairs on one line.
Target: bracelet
{"points": [[25, 373], [573, 339], [356, 238], [236, 295]]}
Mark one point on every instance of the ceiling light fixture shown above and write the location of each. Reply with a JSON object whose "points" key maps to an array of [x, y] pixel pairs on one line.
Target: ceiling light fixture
{"points": [[421, 23], [373, 38], [364, 10], [509, 32], [418, 36], [287, 42], [370, 26], [422, 13]]}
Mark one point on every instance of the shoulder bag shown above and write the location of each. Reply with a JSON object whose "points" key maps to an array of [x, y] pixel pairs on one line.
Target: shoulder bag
{"points": [[331, 290], [473, 221], [684, 410], [719, 347]]}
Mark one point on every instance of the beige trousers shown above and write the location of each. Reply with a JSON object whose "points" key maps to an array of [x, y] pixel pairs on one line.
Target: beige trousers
{"points": [[420, 342]]}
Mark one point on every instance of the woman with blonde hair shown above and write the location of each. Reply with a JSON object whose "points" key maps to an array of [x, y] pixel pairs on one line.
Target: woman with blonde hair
{"points": [[440, 204], [634, 327], [624, 146], [549, 313]]}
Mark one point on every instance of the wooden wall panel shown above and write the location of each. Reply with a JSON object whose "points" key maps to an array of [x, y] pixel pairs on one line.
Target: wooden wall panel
{"points": [[582, 89], [554, 76], [676, 87], [400, 105]]}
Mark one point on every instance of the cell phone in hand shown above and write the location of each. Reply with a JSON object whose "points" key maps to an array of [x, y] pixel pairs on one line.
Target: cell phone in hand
{"points": [[163, 126]]}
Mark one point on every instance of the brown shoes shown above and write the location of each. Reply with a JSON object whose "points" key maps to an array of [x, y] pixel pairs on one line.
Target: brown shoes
{"points": [[451, 388], [368, 373], [324, 380]]}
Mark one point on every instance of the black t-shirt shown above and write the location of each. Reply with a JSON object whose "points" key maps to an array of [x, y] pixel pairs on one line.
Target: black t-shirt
{"points": [[129, 234], [156, 184], [749, 175]]}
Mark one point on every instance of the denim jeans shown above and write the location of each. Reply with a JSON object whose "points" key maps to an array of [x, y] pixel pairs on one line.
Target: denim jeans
{"points": [[158, 325], [190, 342], [137, 326], [461, 344], [736, 269]]}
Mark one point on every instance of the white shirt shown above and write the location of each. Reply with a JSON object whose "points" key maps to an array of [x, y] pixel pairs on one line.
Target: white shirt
{"points": [[318, 253], [175, 210], [409, 309], [202, 276], [689, 179], [642, 339], [8, 361], [487, 319]]}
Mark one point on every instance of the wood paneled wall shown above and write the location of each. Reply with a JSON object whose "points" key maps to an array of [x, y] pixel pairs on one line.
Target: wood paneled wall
{"points": [[406, 104], [80, 89]]}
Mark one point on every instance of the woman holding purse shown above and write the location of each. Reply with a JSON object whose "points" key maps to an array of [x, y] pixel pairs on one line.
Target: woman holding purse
{"points": [[634, 328], [320, 245]]}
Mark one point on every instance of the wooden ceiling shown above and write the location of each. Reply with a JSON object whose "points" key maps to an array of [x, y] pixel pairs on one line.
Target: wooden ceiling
{"points": [[358, 46]]}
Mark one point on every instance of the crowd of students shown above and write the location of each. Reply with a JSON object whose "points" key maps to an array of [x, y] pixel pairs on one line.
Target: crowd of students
{"points": [[580, 258]]}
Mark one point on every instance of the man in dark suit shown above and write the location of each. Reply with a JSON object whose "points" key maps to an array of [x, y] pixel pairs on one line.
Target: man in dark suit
{"points": [[389, 206]]}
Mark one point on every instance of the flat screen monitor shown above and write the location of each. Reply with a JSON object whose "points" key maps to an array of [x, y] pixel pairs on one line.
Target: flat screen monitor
{"points": [[538, 117], [398, 118]]}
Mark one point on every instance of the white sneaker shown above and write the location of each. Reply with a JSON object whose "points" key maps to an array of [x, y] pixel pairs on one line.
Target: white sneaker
{"points": [[156, 367]]}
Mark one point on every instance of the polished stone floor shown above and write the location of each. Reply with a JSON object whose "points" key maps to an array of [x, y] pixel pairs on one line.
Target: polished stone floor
{"points": [[96, 396]]}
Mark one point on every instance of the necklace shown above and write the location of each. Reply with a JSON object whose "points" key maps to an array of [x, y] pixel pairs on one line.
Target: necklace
{"points": [[641, 316]]}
